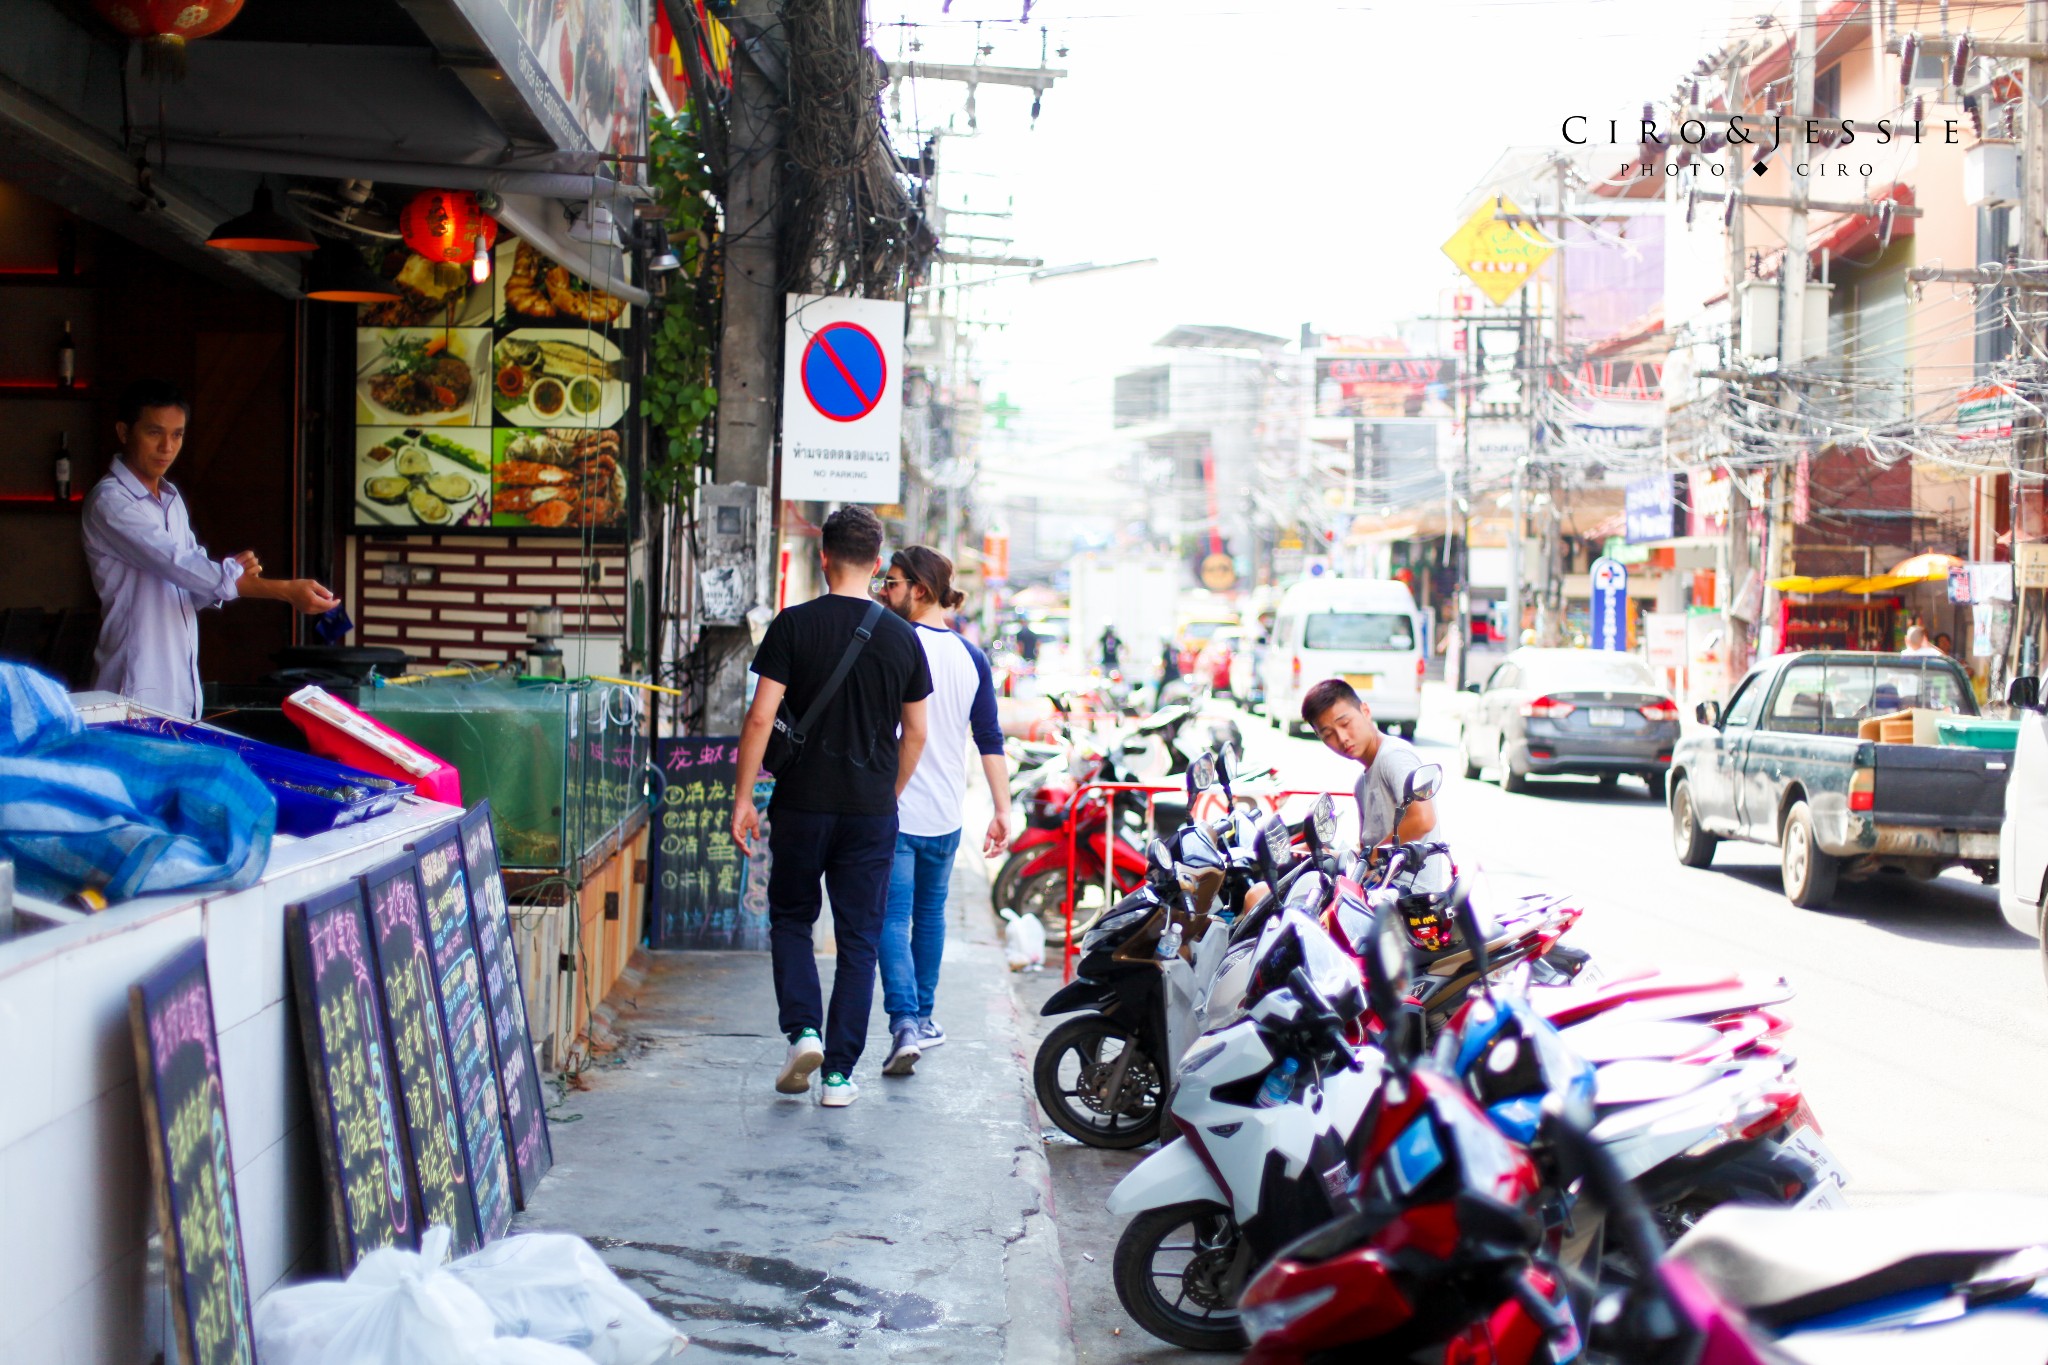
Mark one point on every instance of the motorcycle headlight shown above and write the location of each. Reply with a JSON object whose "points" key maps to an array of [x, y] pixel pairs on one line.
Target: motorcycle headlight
{"points": [[1113, 923], [1271, 1317]]}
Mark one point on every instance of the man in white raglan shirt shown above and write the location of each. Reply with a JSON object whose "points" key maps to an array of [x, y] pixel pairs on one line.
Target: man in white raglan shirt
{"points": [[918, 586]]}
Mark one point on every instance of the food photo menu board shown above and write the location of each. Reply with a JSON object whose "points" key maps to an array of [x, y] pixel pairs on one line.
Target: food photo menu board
{"points": [[491, 406]]}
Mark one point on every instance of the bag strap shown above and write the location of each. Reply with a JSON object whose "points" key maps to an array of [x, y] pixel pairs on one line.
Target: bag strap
{"points": [[862, 633]]}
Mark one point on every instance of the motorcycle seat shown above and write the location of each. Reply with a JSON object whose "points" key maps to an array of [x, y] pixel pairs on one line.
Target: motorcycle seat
{"points": [[1642, 1081], [1604, 1040], [1782, 1265]]}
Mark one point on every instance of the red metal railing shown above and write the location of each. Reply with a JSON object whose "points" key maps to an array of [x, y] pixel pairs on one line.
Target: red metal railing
{"points": [[1272, 799]]}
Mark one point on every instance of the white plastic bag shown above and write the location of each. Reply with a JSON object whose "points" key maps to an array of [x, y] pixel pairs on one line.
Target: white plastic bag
{"points": [[1024, 941], [395, 1308], [552, 1287], [523, 1351]]}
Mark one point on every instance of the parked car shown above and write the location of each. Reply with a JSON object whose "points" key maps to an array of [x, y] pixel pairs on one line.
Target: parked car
{"points": [[2023, 836], [1192, 636], [1591, 712], [1782, 763], [1363, 630]]}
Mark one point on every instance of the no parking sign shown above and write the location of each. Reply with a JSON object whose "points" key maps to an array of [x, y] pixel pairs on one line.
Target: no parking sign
{"points": [[842, 407]]}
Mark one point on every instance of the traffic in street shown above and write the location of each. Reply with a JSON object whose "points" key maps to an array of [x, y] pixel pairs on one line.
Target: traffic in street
{"points": [[1917, 1016]]}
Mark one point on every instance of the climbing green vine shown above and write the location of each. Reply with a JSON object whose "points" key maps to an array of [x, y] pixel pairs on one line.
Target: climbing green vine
{"points": [[678, 396]]}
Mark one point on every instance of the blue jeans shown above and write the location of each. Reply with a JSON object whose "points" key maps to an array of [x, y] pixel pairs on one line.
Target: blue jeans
{"points": [[914, 927], [851, 853]]}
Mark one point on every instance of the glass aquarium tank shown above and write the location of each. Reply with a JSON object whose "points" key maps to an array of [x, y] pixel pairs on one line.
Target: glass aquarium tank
{"points": [[561, 762]]}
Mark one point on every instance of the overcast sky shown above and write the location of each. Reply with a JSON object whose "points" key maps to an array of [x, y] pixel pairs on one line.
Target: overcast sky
{"points": [[1288, 162]]}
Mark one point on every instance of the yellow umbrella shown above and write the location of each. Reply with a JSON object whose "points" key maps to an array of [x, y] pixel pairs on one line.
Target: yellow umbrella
{"points": [[1925, 568]]}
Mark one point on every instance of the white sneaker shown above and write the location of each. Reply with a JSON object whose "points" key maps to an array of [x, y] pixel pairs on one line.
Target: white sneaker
{"points": [[806, 1055], [837, 1092]]}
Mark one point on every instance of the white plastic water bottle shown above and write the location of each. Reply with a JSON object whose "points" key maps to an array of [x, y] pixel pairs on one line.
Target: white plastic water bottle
{"points": [[1279, 1085], [1169, 942]]}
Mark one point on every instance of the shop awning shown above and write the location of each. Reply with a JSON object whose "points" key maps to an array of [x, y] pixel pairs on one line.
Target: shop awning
{"points": [[1849, 583]]}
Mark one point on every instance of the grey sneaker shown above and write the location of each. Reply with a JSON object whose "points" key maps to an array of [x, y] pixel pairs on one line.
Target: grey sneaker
{"points": [[806, 1055], [904, 1050], [929, 1034], [837, 1092]]}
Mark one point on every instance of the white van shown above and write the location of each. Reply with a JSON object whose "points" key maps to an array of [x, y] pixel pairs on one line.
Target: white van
{"points": [[1364, 630]]}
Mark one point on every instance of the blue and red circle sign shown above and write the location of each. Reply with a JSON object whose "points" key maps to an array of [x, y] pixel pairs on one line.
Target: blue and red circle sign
{"points": [[844, 371]]}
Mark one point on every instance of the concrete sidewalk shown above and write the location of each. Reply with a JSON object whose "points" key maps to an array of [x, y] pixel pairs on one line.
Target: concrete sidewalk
{"points": [[915, 1225]]}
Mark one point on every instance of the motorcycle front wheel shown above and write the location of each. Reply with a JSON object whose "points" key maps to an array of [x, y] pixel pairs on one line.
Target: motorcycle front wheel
{"points": [[1177, 1275], [1002, 891], [1073, 1073]]}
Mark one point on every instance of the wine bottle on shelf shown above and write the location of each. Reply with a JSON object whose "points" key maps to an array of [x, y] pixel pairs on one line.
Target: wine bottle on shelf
{"points": [[60, 468], [67, 358]]}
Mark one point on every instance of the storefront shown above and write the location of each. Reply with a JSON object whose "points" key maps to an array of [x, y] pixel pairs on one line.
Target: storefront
{"points": [[448, 445]]}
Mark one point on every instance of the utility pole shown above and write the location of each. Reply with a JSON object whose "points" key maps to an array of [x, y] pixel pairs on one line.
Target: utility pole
{"points": [[1464, 510], [1549, 598], [2017, 657], [1776, 559], [750, 331]]}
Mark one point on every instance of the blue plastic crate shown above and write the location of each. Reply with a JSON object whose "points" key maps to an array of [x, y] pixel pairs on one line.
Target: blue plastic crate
{"points": [[288, 775]]}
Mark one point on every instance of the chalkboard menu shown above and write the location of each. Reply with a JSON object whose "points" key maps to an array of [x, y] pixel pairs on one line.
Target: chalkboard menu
{"points": [[466, 1020], [419, 1049], [355, 1097], [184, 1110], [526, 1121], [701, 877]]}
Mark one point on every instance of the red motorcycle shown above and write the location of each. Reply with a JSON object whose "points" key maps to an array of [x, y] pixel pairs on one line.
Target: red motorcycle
{"points": [[1064, 824], [1445, 1255]]}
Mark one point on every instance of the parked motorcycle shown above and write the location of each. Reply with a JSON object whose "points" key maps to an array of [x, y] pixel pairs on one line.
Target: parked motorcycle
{"points": [[1102, 1076]]}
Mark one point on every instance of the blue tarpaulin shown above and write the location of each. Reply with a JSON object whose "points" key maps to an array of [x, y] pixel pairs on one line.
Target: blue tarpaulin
{"points": [[120, 814]]}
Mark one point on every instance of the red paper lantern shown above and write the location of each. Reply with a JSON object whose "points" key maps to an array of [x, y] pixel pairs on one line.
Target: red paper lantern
{"points": [[163, 27], [443, 226]]}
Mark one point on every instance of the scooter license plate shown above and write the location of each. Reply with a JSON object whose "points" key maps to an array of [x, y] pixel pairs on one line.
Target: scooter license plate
{"points": [[1832, 1177]]}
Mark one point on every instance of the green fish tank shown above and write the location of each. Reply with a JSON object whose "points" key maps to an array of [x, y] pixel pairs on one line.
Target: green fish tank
{"points": [[562, 762]]}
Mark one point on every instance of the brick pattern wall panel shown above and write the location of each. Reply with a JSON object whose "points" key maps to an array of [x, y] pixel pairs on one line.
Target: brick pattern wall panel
{"points": [[475, 609]]}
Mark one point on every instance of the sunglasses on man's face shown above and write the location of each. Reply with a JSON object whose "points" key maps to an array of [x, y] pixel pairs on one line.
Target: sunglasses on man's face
{"points": [[883, 583]]}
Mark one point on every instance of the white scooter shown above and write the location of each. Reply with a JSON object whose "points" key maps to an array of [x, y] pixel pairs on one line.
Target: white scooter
{"points": [[1265, 1107]]}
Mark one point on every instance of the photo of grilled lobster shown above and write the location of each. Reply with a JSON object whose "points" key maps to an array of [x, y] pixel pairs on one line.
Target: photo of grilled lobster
{"points": [[562, 476]]}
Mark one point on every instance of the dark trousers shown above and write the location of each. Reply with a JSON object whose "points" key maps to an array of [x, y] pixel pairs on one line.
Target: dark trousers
{"points": [[853, 854]]}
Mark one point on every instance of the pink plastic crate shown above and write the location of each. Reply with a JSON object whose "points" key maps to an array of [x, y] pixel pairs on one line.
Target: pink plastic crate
{"points": [[444, 783]]}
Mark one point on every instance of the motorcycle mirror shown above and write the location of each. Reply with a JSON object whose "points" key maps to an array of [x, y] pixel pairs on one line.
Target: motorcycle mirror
{"points": [[1387, 972], [1422, 784], [1226, 765], [1201, 774], [1458, 905], [1322, 824]]}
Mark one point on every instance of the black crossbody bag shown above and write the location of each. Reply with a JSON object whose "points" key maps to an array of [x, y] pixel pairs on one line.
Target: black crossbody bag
{"points": [[786, 742]]}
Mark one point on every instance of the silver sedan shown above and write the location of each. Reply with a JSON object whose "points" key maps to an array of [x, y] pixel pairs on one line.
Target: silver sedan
{"points": [[1555, 711]]}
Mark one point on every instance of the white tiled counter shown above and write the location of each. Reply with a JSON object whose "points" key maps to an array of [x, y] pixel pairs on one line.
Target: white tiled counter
{"points": [[77, 1279]]}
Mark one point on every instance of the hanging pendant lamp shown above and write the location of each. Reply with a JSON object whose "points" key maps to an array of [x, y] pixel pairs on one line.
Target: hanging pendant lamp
{"points": [[262, 228], [338, 275]]}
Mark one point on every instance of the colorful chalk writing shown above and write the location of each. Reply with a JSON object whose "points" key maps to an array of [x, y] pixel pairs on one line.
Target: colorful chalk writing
{"points": [[526, 1121], [185, 1112], [466, 1022], [700, 876], [419, 1050], [348, 1073]]}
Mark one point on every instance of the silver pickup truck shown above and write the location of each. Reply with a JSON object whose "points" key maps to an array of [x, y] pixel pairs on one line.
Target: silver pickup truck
{"points": [[1782, 763]]}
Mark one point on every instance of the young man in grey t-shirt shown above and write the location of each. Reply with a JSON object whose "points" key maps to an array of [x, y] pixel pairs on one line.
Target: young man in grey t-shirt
{"points": [[1344, 723]]}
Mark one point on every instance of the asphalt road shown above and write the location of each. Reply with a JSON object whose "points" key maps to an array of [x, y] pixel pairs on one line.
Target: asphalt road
{"points": [[1920, 1023]]}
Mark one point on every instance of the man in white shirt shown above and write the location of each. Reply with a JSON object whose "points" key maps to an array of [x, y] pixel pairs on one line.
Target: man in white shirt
{"points": [[152, 575], [1917, 646], [918, 586]]}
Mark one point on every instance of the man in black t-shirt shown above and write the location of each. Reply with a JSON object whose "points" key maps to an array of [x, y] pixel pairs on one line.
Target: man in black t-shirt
{"points": [[835, 808]]}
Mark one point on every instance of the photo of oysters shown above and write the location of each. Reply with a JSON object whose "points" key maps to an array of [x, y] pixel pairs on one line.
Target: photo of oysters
{"points": [[422, 477]]}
